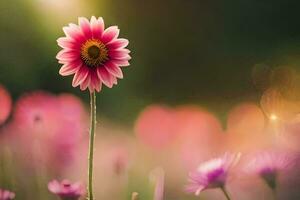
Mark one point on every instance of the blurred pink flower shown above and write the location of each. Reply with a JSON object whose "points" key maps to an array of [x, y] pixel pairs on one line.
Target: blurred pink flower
{"points": [[6, 195], [194, 133], [5, 104], [200, 135], [212, 174], [290, 134], [244, 118], [94, 54], [245, 129], [73, 118], [54, 125], [269, 164], [66, 190], [36, 112], [194, 120], [71, 107], [156, 126]]}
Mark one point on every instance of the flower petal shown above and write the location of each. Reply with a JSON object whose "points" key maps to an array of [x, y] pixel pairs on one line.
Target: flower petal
{"points": [[109, 34], [121, 63], [85, 27], [68, 69], [117, 44], [107, 78], [120, 54], [96, 83], [85, 83], [54, 186], [97, 27], [115, 80], [200, 189], [74, 32], [112, 68], [80, 76], [67, 55], [67, 43]]}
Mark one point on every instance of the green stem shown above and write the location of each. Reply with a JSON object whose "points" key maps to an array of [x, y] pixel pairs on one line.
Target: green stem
{"points": [[91, 145], [225, 193]]}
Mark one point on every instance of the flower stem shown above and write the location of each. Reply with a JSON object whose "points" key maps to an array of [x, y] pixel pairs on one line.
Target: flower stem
{"points": [[225, 193], [91, 145], [274, 193]]}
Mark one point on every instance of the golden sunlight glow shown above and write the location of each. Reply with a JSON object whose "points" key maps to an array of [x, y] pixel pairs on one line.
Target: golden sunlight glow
{"points": [[60, 11], [273, 117], [61, 7]]}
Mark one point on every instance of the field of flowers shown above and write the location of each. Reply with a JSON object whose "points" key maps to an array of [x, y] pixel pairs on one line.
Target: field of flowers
{"points": [[200, 118], [170, 152]]}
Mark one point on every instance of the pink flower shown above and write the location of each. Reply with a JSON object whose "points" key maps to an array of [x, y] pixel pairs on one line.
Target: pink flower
{"points": [[72, 107], [73, 119], [156, 126], [268, 165], [5, 104], [36, 112], [200, 135], [6, 195], [93, 54], [212, 174], [49, 129], [66, 190], [245, 129], [57, 117]]}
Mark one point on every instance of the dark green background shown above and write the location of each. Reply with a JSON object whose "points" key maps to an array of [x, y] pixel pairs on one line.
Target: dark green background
{"points": [[184, 51]]}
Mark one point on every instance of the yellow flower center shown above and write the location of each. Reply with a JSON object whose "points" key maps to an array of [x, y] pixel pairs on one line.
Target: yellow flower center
{"points": [[94, 53]]}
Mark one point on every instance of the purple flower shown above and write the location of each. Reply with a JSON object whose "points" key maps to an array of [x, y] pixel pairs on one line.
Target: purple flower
{"points": [[66, 190], [211, 174], [6, 195], [268, 165]]}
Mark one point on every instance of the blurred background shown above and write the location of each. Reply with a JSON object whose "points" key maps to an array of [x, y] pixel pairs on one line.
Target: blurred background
{"points": [[193, 51], [209, 62]]}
